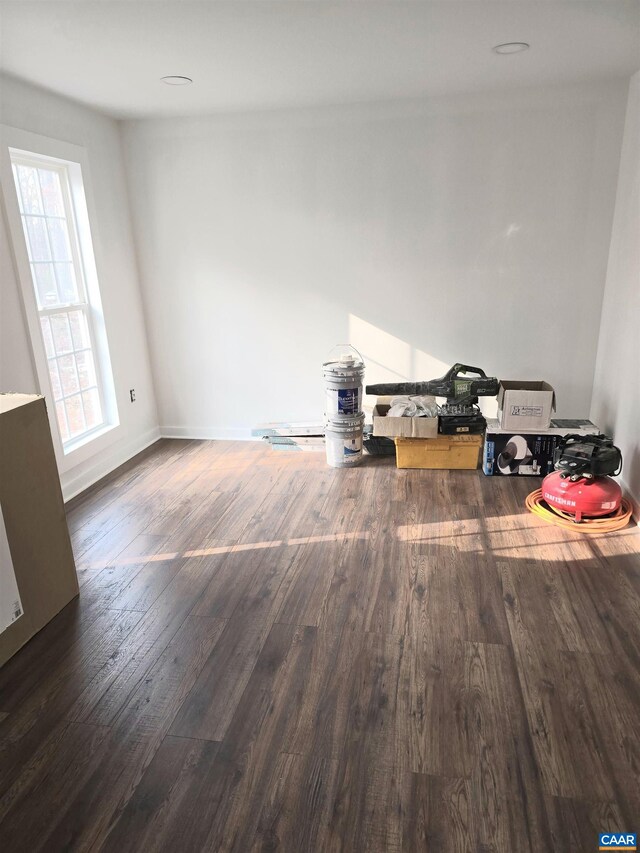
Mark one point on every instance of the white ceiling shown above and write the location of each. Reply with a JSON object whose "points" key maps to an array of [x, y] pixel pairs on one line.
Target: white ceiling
{"points": [[248, 55]]}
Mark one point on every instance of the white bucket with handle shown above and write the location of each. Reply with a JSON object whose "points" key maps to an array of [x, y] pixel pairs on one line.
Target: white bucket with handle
{"points": [[343, 375]]}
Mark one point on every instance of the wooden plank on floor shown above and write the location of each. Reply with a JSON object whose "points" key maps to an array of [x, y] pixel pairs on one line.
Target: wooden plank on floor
{"points": [[577, 824], [235, 569], [203, 795], [476, 589], [561, 723], [438, 815], [612, 691], [40, 703], [561, 587], [106, 694], [618, 552], [208, 711], [116, 498], [367, 810], [172, 808], [80, 630], [86, 819], [126, 519], [111, 578], [430, 674], [161, 565], [297, 810], [114, 545], [505, 785], [252, 743], [85, 507], [48, 783], [306, 599], [616, 605], [320, 726], [353, 588]]}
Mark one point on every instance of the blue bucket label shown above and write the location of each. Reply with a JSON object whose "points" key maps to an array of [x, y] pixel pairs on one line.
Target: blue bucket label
{"points": [[348, 401], [352, 447]]}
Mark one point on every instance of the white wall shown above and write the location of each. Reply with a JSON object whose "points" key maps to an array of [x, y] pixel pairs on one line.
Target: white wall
{"points": [[616, 390], [472, 229], [32, 109]]}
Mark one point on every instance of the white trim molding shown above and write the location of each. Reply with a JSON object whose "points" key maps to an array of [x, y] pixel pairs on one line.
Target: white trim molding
{"points": [[74, 483], [211, 433]]}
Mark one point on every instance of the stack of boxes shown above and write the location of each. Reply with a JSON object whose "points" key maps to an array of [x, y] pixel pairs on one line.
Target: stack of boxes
{"points": [[521, 440], [420, 445]]}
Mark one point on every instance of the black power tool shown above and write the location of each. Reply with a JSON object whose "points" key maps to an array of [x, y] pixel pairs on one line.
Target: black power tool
{"points": [[587, 456], [461, 413]]}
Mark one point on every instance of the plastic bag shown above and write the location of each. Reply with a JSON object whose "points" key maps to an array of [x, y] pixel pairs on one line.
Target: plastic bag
{"points": [[420, 406]]}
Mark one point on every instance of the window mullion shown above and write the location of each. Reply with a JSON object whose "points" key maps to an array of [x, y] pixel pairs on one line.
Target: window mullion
{"points": [[75, 394], [70, 352], [43, 215], [62, 309]]}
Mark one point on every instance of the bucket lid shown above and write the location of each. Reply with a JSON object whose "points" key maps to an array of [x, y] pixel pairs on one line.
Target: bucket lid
{"points": [[342, 422], [344, 357]]}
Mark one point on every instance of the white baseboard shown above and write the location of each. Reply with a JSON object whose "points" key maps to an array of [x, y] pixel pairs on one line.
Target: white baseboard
{"points": [[210, 433], [76, 481]]}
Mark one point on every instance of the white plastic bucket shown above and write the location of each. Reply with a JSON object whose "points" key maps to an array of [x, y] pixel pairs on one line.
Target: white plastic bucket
{"points": [[343, 375], [343, 441]]}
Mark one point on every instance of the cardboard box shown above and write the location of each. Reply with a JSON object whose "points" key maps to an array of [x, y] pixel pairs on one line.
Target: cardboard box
{"points": [[401, 427], [443, 452], [34, 518], [525, 406], [528, 454]]}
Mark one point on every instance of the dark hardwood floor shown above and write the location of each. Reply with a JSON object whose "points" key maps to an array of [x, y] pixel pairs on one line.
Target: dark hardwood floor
{"points": [[268, 654]]}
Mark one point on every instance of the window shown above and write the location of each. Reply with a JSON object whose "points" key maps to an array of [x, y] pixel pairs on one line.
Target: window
{"points": [[69, 321]]}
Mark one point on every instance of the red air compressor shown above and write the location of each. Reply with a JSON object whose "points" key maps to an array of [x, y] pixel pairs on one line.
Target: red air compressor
{"points": [[580, 490]]}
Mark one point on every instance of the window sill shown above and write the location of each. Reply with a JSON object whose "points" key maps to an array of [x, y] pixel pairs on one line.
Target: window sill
{"points": [[72, 446]]}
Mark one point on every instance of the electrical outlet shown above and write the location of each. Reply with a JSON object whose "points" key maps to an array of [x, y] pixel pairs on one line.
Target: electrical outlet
{"points": [[132, 394]]}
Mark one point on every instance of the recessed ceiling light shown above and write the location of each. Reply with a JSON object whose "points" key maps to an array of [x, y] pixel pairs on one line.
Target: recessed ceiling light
{"points": [[511, 47], [176, 80]]}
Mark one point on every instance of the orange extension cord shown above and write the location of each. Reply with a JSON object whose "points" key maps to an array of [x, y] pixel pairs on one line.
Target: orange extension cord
{"points": [[606, 524]]}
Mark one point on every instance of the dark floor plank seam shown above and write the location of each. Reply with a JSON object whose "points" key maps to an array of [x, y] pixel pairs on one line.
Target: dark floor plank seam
{"points": [[529, 738]]}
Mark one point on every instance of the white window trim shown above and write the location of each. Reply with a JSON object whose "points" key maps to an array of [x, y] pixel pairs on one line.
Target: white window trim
{"points": [[91, 443], [84, 303]]}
